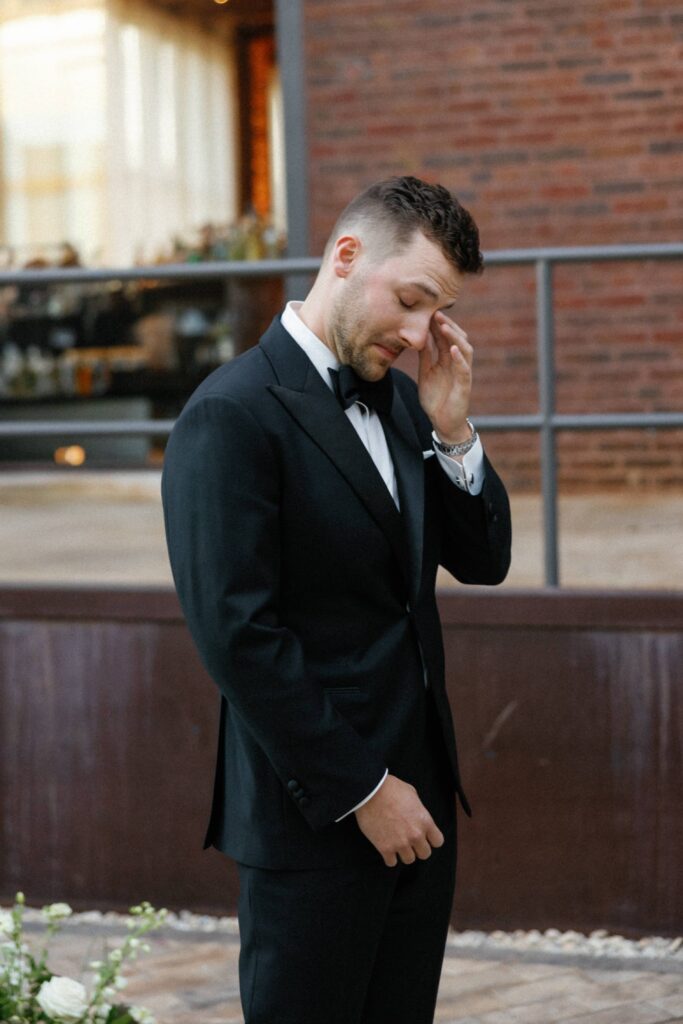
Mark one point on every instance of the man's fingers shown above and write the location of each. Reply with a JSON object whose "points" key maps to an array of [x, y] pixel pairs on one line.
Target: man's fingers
{"points": [[435, 836], [406, 855], [463, 346], [398, 824], [420, 849], [448, 334], [425, 356], [423, 850], [446, 324], [442, 342]]}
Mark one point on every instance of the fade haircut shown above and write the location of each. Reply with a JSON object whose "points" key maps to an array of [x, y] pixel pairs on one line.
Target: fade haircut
{"points": [[394, 209]]}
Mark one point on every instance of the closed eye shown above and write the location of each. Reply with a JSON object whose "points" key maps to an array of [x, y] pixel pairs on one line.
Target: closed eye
{"points": [[406, 305]]}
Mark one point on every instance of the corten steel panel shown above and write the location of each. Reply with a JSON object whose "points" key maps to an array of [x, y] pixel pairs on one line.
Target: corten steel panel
{"points": [[570, 743], [107, 732], [569, 717]]}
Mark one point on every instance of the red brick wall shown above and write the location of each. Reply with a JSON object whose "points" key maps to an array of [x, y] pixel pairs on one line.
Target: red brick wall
{"points": [[556, 124]]}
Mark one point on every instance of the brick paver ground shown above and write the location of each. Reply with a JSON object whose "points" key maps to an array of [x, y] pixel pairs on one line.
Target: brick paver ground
{"points": [[192, 977]]}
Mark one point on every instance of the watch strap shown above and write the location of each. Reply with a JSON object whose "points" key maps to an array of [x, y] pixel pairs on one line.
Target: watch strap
{"points": [[458, 449]]}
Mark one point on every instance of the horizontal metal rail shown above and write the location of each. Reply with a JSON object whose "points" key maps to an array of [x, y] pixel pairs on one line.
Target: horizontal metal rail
{"points": [[586, 253], [139, 428], [86, 428], [309, 265], [222, 269], [547, 421]]}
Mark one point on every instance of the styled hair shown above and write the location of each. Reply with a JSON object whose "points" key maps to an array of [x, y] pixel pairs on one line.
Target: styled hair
{"points": [[394, 209]]}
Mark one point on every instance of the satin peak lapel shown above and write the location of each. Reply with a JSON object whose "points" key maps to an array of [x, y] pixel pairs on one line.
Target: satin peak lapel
{"points": [[312, 404], [406, 452]]}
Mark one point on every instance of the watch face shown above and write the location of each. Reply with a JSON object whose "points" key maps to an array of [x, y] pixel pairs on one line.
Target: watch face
{"points": [[458, 449]]}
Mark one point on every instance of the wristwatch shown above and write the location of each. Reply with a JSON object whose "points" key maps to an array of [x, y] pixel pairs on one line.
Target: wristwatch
{"points": [[458, 449]]}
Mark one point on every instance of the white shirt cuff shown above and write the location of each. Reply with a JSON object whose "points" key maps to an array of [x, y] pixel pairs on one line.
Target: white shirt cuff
{"points": [[368, 797], [467, 473]]}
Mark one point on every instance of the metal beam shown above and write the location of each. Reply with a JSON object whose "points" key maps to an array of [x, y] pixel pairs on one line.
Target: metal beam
{"points": [[289, 30], [298, 263], [595, 421], [86, 428], [586, 253], [163, 272], [546, 401]]}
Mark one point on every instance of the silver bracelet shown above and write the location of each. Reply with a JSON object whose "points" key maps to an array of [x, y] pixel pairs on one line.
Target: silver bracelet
{"points": [[459, 449]]}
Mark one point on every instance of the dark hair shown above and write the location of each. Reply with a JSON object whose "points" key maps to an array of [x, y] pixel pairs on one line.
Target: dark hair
{"points": [[404, 205]]}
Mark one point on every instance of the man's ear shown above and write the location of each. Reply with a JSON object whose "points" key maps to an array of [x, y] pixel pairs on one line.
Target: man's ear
{"points": [[345, 253]]}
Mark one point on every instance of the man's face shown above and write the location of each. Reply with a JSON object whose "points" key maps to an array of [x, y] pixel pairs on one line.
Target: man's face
{"points": [[384, 308]]}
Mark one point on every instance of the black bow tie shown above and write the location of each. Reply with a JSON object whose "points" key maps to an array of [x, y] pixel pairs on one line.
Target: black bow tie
{"points": [[350, 388]]}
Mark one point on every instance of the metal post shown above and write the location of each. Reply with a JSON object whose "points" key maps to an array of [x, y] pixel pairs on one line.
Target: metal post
{"points": [[546, 397], [290, 48]]}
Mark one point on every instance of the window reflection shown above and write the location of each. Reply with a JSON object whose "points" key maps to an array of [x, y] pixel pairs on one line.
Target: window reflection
{"points": [[118, 130], [118, 145]]}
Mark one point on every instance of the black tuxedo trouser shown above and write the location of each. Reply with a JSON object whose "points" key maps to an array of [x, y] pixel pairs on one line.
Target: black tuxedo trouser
{"points": [[361, 944]]}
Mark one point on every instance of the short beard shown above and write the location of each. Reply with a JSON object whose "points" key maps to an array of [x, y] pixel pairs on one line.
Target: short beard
{"points": [[346, 322]]}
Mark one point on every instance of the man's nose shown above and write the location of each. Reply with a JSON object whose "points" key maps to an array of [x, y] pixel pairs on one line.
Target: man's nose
{"points": [[415, 332]]}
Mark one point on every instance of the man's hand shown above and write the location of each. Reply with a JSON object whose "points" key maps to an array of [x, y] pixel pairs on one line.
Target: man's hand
{"points": [[445, 379], [398, 824]]}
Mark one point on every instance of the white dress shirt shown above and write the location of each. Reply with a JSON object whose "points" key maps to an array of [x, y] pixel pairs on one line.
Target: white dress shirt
{"points": [[467, 474]]}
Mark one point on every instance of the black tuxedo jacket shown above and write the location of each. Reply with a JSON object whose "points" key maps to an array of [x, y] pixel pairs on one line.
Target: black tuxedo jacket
{"points": [[310, 597]]}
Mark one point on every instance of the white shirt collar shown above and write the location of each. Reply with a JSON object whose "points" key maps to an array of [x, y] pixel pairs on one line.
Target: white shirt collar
{"points": [[317, 351]]}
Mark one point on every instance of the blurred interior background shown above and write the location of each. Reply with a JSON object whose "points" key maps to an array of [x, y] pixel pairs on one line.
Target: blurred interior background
{"points": [[140, 134]]}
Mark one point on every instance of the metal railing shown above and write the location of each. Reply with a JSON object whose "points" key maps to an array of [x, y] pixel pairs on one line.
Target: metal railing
{"points": [[546, 421]]}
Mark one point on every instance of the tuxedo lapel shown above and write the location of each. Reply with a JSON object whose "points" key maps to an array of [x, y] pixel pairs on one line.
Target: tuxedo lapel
{"points": [[406, 453], [312, 404]]}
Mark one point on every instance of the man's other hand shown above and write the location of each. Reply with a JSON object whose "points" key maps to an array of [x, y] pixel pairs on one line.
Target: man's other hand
{"points": [[398, 824]]}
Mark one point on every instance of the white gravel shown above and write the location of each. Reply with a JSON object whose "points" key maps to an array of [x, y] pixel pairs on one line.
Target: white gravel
{"points": [[550, 942]]}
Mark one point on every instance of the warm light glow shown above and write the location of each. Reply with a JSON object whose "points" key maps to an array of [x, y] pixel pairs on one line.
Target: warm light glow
{"points": [[221, 1], [72, 455], [52, 95], [117, 128], [261, 57]]}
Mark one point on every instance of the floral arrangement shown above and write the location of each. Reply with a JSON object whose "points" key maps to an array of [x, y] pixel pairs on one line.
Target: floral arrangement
{"points": [[31, 994]]}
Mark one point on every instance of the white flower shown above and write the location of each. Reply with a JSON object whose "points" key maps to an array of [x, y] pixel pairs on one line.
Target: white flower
{"points": [[62, 998], [15, 977], [140, 1015], [57, 911], [6, 922]]}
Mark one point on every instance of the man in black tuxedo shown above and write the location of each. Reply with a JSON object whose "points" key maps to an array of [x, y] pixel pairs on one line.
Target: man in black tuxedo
{"points": [[310, 491]]}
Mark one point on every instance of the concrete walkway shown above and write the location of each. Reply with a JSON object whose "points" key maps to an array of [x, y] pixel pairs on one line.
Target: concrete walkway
{"points": [[102, 527], [191, 976]]}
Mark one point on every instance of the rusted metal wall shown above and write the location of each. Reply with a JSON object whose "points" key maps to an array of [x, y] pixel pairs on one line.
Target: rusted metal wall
{"points": [[570, 717], [568, 710]]}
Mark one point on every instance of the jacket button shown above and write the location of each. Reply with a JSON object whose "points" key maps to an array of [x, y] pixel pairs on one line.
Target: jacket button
{"points": [[292, 785], [304, 801]]}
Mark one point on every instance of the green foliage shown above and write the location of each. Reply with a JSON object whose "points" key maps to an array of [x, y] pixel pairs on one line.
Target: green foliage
{"points": [[31, 994]]}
